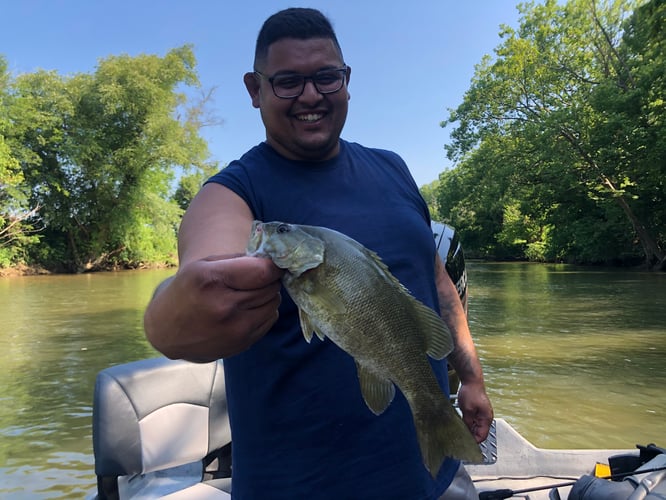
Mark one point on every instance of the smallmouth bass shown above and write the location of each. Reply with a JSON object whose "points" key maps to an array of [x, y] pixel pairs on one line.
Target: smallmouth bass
{"points": [[346, 293]]}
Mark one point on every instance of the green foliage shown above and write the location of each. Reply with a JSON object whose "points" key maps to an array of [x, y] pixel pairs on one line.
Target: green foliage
{"points": [[429, 193], [16, 233], [559, 141], [92, 159], [189, 184]]}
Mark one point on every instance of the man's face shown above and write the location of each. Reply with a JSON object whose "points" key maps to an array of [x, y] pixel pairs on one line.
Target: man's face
{"points": [[307, 127]]}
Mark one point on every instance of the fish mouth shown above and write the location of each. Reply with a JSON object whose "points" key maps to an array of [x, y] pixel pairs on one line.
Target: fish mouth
{"points": [[255, 246]]}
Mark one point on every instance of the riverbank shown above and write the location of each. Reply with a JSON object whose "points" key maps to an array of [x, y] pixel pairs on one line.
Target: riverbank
{"points": [[24, 270]]}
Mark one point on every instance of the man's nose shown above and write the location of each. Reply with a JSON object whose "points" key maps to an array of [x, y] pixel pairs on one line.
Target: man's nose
{"points": [[310, 92]]}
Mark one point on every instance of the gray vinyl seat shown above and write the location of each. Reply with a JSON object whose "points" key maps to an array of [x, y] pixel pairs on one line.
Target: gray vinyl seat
{"points": [[161, 430]]}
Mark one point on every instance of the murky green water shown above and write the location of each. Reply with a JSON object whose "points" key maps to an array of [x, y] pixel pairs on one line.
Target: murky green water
{"points": [[56, 333], [572, 358]]}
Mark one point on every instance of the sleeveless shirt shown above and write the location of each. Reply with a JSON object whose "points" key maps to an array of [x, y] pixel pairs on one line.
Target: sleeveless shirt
{"points": [[299, 424]]}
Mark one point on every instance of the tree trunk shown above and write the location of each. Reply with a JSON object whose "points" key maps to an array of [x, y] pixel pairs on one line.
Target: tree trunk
{"points": [[655, 259]]}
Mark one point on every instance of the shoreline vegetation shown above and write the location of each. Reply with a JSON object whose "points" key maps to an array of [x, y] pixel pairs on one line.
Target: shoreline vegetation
{"points": [[557, 150]]}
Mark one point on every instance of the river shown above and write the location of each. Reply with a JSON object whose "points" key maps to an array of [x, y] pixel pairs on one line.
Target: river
{"points": [[574, 358]]}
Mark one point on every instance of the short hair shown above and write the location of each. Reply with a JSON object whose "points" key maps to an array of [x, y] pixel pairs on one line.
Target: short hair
{"points": [[296, 22]]}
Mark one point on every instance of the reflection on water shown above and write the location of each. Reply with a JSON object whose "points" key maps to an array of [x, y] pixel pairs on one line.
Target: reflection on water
{"points": [[57, 332], [572, 359]]}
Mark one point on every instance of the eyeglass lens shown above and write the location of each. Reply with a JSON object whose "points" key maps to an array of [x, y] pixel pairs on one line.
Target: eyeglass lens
{"points": [[293, 85]]}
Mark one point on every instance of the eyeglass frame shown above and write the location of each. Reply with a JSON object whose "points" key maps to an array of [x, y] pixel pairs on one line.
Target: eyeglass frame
{"points": [[344, 69]]}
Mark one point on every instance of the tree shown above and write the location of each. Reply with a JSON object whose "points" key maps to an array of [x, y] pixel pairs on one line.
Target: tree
{"points": [[429, 193], [16, 234], [557, 97], [102, 154], [190, 184]]}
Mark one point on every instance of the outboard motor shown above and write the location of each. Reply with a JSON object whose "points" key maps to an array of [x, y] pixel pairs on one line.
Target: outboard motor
{"points": [[451, 252]]}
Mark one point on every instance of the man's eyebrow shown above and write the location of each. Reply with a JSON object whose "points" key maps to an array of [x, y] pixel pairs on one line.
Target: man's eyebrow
{"points": [[287, 72]]}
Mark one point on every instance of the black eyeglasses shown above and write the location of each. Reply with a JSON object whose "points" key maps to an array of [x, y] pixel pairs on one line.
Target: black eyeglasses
{"points": [[292, 85]]}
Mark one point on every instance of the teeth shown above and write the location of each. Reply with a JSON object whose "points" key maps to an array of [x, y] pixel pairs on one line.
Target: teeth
{"points": [[311, 117]]}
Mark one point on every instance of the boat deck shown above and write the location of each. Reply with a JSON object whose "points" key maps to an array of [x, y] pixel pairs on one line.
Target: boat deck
{"points": [[511, 462]]}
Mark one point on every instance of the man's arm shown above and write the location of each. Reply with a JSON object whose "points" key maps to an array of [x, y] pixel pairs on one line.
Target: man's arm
{"points": [[472, 398], [219, 302]]}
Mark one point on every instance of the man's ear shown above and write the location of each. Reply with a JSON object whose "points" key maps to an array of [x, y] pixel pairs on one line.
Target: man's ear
{"points": [[253, 87], [348, 77]]}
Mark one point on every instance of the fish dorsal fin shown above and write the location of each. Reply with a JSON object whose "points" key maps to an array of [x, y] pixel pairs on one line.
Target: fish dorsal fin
{"points": [[439, 342], [377, 392], [383, 268], [307, 327], [371, 255]]}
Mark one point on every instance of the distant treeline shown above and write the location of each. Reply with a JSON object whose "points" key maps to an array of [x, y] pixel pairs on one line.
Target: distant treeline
{"points": [[559, 149], [560, 142]]}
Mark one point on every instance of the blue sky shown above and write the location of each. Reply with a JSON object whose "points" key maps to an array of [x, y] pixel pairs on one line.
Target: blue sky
{"points": [[411, 60]]}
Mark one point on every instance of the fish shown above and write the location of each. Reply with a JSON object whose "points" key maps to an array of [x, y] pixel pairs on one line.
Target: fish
{"points": [[345, 292]]}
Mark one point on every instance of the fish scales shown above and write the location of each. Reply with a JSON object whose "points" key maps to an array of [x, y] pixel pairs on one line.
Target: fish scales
{"points": [[345, 292]]}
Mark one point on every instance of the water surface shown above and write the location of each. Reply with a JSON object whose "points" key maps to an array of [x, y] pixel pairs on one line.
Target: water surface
{"points": [[573, 358]]}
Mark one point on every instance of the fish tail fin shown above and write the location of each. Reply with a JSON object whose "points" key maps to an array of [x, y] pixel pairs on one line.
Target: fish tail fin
{"points": [[443, 434]]}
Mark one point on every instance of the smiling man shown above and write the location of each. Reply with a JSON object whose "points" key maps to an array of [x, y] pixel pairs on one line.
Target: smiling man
{"points": [[303, 122], [300, 426]]}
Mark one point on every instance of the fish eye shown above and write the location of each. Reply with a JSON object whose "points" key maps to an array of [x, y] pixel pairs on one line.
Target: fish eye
{"points": [[283, 228]]}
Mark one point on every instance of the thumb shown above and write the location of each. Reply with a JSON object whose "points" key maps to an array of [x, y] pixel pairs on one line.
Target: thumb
{"points": [[248, 273]]}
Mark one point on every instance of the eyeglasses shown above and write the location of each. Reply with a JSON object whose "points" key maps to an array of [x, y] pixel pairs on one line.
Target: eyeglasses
{"points": [[292, 85]]}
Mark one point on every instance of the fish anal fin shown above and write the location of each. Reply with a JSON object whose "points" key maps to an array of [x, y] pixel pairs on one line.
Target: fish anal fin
{"points": [[377, 392]]}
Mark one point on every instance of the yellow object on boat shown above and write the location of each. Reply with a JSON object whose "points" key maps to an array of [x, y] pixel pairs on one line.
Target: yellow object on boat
{"points": [[602, 470]]}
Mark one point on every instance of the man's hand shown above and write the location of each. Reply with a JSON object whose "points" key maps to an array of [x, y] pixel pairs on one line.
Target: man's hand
{"points": [[214, 307], [476, 409]]}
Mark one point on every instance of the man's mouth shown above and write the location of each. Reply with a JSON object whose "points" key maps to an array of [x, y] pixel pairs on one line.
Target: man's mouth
{"points": [[309, 117]]}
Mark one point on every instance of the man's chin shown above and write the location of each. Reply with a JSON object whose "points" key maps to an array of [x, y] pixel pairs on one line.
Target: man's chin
{"points": [[318, 148]]}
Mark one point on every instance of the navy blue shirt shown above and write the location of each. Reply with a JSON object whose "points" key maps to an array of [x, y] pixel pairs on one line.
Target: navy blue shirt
{"points": [[299, 424]]}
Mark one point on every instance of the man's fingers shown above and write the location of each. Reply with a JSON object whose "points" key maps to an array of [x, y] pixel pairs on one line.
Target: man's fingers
{"points": [[248, 273]]}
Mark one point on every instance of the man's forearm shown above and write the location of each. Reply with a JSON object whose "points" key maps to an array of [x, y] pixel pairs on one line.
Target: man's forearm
{"points": [[463, 358]]}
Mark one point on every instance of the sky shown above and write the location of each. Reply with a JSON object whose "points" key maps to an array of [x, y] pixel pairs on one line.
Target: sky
{"points": [[411, 61]]}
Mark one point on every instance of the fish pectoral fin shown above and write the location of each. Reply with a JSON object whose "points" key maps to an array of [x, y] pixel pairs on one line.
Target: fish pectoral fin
{"points": [[377, 392], [327, 299], [307, 327], [439, 342]]}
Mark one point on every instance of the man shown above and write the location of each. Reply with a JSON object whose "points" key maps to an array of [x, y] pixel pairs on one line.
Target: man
{"points": [[300, 426]]}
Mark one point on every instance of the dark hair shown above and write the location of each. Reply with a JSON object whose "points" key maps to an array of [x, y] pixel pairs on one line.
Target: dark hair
{"points": [[296, 22]]}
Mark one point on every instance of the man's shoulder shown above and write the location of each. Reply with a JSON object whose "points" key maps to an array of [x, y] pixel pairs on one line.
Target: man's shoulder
{"points": [[259, 153], [355, 148], [386, 160]]}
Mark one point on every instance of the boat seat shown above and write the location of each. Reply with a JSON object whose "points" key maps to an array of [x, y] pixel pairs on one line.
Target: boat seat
{"points": [[160, 429]]}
